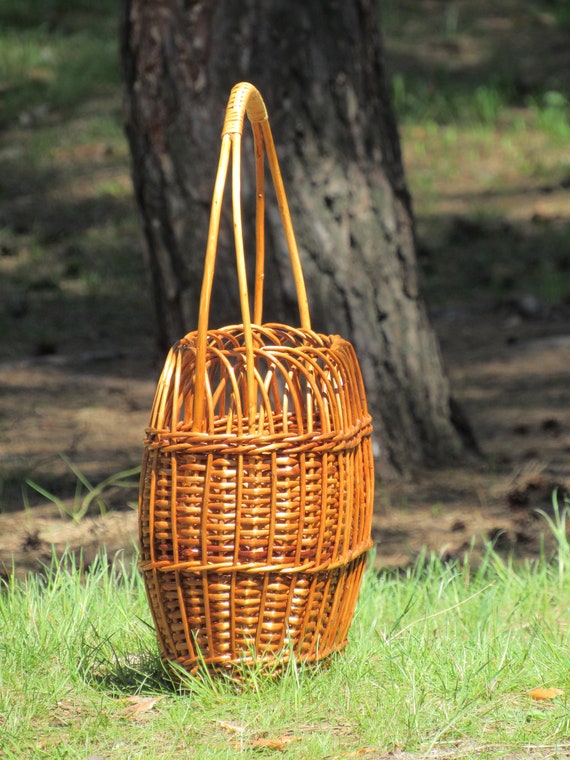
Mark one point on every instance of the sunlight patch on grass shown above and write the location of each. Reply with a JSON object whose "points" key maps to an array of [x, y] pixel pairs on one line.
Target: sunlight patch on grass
{"points": [[44, 69], [442, 162]]}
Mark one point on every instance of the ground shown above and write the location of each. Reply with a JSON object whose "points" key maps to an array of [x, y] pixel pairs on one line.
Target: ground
{"points": [[78, 362], [512, 378], [511, 375]]}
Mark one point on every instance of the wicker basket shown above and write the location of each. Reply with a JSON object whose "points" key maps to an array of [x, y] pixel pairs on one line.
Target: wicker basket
{"points": [[257, 480]]}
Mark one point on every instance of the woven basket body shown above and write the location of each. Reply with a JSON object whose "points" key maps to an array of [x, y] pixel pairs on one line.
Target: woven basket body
{"points": [[257, 481]]}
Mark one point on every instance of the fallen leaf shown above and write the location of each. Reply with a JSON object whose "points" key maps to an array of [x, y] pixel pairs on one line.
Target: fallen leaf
{"points": [[541, 694], [279, 743], [139, 705], [235, 728]]}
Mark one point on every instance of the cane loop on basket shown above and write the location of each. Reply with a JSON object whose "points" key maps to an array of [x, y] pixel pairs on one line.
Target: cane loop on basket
{"points": [[245, 99], [256, 493]]}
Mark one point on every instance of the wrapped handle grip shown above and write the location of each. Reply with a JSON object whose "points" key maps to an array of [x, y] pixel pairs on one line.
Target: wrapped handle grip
{"points": [[244, 99]]}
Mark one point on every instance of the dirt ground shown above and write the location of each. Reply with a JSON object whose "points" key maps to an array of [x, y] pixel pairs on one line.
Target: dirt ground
{"points": [[510, 372], [512, 377]]}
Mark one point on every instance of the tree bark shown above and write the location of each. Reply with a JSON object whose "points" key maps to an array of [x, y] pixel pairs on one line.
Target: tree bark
{"points": [[319, 68]]}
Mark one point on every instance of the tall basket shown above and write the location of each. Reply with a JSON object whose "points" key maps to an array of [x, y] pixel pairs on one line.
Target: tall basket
{"points": [[257, 480]]}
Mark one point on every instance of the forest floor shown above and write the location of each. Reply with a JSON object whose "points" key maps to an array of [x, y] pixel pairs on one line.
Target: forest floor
{"points": [[512, 377], [77, 359]]}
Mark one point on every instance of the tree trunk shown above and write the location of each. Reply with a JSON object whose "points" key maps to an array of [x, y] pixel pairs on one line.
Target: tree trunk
{"points": [[319, 68]]}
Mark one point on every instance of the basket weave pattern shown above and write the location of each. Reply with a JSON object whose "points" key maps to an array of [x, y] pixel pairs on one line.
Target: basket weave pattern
{"points": [[257, 481]]}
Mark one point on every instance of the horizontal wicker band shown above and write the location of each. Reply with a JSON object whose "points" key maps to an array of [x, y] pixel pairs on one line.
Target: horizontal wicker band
{"points": [[256, 567], [202, 443]]}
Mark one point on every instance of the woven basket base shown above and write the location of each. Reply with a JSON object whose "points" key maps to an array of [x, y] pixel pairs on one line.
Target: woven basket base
{"points": [[305, 616]]}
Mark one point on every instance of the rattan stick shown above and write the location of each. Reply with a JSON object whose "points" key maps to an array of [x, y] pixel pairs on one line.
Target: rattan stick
{"points": [[152, 495], [259, 223], [287, 226], [242, 279], [208, 278], [302, 506], [158, 612]]}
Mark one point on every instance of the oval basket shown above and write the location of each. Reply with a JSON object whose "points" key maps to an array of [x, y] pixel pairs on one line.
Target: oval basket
{"points": [[257, 481]]}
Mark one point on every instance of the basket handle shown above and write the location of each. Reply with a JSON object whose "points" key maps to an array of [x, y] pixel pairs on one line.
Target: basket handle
{"points": [[244, 100]]}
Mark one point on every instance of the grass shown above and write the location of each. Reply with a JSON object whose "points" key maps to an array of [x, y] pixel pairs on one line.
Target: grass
{"points": [[88, 498], [485, 124], [489, 106], [69, 239], [50, 58], [441, 658], [483, 193]]}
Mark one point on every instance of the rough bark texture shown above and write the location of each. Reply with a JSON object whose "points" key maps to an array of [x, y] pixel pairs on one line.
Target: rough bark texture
{"points": [[319, 68]]}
